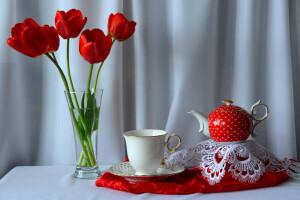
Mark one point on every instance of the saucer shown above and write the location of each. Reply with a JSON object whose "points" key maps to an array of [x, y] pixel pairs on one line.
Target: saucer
{"points": [[125, 170]]}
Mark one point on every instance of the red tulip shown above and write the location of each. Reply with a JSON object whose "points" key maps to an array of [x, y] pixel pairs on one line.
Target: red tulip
{"points": [[94, 46], [29, 38], [119, 27], [53, 38], [69, 24]]}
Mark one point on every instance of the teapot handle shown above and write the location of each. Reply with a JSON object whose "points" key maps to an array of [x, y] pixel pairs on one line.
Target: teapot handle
{"points": [[258, 120]]}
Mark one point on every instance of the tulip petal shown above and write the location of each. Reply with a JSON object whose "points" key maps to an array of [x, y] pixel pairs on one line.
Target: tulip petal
{"points": [[83, 40], [102, 49], [96, 35], [125, 33], [94, 46], [53, 38], [75, 23], [87, 52], [59, 15], [30, 22], [73, 12], [106, 47], [70, 24], [119, 27], [17, 29], [35, 41], [131, 30], [119, 17], [29, 38], [115, 25], [99, 53], [63, 29], [119, 30], [109, 24], [16, 44]]}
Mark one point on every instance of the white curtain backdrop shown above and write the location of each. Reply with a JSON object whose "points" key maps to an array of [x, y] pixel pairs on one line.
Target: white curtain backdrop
{"points": [[184, 55]]}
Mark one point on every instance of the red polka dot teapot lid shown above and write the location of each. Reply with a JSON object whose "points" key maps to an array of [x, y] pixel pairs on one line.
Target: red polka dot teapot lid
{"points": [[229, 107], [230, 123]]}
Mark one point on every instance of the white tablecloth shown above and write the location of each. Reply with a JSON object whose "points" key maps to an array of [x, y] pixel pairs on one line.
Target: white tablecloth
{"points": [[57, 183]]}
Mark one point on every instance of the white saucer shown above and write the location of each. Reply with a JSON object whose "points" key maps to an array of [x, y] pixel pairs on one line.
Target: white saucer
{"points": [[125, 170]]}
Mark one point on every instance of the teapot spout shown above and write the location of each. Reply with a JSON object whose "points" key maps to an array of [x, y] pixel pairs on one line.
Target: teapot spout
{"points": [[203, 121]]}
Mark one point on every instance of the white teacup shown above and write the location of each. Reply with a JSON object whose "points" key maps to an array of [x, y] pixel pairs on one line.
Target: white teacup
{"points": [[145, 149]]}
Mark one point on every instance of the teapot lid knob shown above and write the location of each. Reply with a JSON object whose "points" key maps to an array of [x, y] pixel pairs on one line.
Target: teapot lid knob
{"points": [[228, 102]]}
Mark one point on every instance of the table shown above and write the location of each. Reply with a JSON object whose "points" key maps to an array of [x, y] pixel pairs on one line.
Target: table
{"points": [[57, 183]]}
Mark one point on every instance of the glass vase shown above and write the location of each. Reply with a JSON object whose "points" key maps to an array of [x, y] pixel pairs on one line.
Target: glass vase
{"points": [[84, 109]]}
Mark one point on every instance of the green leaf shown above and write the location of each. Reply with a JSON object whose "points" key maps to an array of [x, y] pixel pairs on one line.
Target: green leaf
{"points": [[82, 106], [77, 122], [97, 112], [89, 116], [81, 111], [82, 101], [81, 127]]}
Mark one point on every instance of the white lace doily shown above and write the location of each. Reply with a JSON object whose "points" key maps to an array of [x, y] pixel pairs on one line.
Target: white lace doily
{"points": [[246, 161]]}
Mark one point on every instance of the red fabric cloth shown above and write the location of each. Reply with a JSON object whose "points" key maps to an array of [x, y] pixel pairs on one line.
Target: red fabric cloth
{"points": [[190, 181]]}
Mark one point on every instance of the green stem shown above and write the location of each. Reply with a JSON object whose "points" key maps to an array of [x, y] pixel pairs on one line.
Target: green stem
{"points": [[91, 148], [80, 158], [85, 152], [89, 80], [54, 56], [113, 42], [69, 75], [90, 155], [88, 142], [68, 65], [63, 78], [85, 163], [96, 80], [71, 105], [71, 83]]}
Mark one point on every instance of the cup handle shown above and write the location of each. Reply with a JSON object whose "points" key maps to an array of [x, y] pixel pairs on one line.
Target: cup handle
{"points": [[171, 150]]}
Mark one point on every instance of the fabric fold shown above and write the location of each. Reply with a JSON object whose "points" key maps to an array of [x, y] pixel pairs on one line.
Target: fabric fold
{"points": [[188, 182]]}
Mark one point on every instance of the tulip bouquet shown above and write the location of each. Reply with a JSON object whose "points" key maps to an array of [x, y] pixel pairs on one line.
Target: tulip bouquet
{"points": [[31, 39]]}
